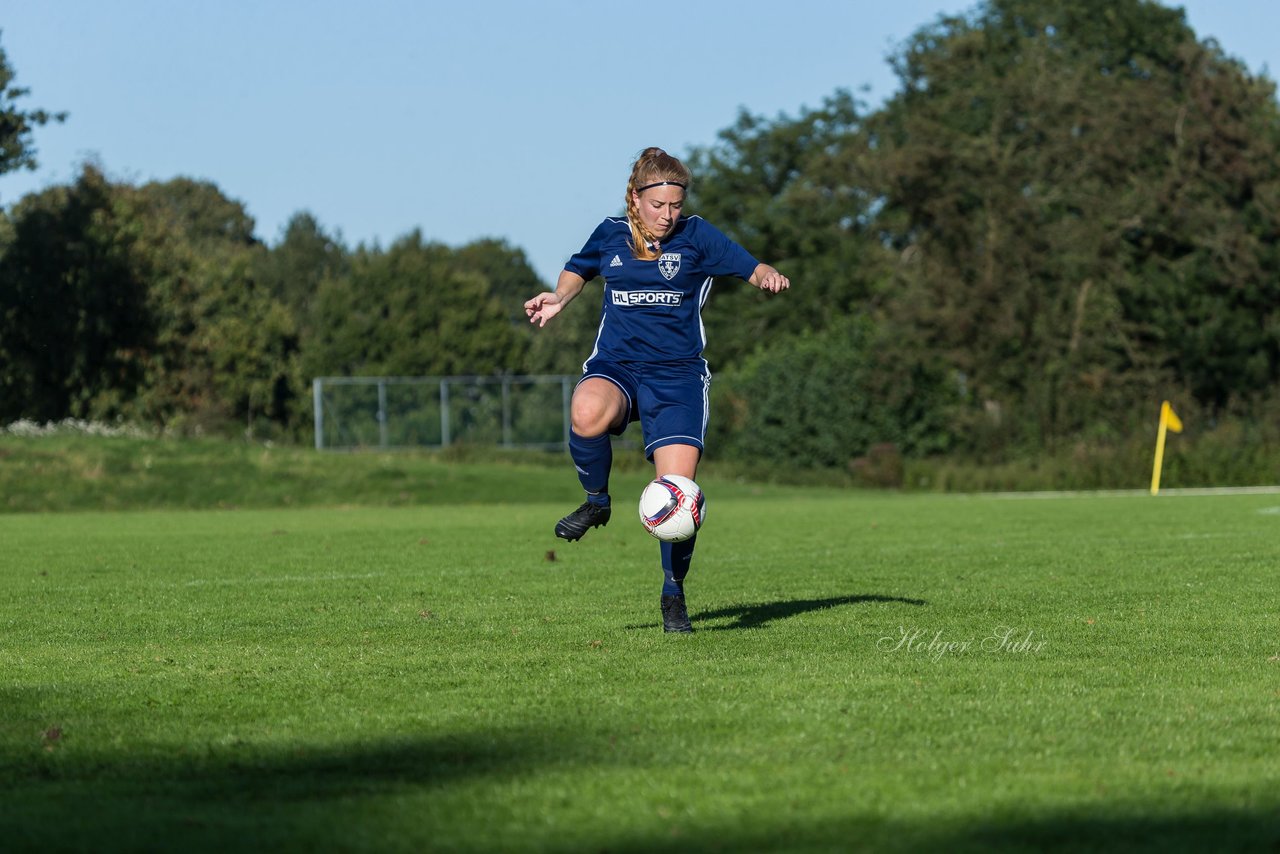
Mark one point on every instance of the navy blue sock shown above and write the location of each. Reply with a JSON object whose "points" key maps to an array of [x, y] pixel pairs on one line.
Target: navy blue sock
{"points": [[593, 458], [676, 558]]}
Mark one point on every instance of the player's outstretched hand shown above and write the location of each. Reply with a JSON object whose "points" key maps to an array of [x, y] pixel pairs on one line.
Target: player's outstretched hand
{"points": [[542, 308], [766, 278]]}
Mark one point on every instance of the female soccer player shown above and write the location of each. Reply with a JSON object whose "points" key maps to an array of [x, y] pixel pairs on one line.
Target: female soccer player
{"points": [[647, 364]]}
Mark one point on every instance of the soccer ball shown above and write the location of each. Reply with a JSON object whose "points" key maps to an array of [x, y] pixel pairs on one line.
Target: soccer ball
{"points": [[672, 508]]}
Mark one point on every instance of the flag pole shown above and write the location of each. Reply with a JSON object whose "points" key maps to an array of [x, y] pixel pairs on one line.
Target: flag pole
{"points": [[1160, 434], [1169, 420]]}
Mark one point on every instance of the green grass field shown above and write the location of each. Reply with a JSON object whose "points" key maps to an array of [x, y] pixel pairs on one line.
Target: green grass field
{"points": [[875, 672]]}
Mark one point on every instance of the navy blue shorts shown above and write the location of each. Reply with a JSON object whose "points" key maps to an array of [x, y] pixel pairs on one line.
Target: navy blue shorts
{"points": [[670, 400]]}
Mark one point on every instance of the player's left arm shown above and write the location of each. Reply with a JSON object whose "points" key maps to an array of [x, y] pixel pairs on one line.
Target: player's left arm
{"points": [[723, 257], [766, 278]]}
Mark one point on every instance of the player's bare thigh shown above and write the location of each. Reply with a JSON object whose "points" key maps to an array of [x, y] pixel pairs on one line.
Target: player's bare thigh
{"points": [[598, 406], [677, 459]]}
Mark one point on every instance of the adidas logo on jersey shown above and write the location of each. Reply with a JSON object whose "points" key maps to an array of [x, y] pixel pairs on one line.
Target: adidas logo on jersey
{"points": [[616, 262]]}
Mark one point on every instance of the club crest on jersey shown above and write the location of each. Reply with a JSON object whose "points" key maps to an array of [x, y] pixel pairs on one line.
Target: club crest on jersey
{"points": [[669, 265]]}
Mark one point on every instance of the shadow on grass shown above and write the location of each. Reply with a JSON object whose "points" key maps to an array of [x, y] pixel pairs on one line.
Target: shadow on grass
{"points": [[1215, 829], [756, 616], [230, 798], [760, 615], [396, 795]]}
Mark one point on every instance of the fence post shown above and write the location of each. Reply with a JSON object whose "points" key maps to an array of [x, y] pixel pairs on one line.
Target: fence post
{"points": [[444, 412], [506, 412], [330, 432], [382, 413], [317, 401]]}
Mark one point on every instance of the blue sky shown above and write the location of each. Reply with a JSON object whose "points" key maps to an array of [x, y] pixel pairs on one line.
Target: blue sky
{"points": [[464, 119]]}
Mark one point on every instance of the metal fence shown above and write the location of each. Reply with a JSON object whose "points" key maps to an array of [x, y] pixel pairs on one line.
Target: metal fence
{"points": [[402, 412]]}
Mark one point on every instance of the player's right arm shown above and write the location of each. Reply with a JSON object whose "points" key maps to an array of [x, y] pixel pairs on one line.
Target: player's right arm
{"points": [[545, 306]]}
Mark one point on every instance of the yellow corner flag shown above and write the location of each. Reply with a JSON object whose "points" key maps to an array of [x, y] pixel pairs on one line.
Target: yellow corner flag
{"points": [[1169, 420]]}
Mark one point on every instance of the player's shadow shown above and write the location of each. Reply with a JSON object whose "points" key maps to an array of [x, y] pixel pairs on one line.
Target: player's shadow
{"points": [[759, 615]]}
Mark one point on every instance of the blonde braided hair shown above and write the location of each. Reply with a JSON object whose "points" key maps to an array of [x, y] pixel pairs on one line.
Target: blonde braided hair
{"points": [[653, 166]]}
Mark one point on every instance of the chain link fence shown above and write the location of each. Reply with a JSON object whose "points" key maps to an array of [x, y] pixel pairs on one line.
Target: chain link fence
{"points": [[404, 412]]}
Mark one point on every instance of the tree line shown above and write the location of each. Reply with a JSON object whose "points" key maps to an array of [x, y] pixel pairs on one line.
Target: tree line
{"points": [[1066, 212], [156, 304]]}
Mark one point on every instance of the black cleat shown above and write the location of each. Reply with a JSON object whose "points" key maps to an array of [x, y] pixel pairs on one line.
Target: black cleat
{"points": [[674, 616], [573, 526]]}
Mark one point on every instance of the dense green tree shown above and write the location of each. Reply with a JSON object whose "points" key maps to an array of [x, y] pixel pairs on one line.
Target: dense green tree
{"points": [[506, 269], [226, 349], [558, 348], [1073, 204], [789, 191], [294, 268], [74, 326], [140, 302], [17, 150], [199, 212], [1083, 199], [416, 308], [822, 399]]}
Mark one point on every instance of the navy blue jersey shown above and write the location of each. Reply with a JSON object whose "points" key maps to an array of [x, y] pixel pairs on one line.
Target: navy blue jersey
{"points": [[653, 309]]}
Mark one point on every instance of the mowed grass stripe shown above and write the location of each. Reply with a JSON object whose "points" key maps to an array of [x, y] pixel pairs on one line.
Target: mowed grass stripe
{"points": [[1078, 672]]}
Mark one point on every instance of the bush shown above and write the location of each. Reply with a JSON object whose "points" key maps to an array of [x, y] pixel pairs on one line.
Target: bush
{"points": [[824, 399]]}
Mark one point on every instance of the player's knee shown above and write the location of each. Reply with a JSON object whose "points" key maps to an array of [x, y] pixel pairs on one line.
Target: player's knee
{"points": [[589, 417]]}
